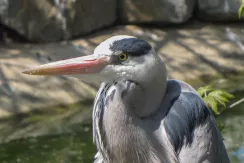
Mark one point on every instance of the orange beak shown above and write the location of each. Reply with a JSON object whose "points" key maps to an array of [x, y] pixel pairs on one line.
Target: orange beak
{"points": [[81, 65]]}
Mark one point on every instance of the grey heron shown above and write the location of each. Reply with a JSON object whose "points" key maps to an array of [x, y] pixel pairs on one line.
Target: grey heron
{"points": [[140, 116]]}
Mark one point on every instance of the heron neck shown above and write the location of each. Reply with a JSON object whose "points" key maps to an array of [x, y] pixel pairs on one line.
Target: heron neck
{"points": [[152, 93], [126, 103], [125, 135]]}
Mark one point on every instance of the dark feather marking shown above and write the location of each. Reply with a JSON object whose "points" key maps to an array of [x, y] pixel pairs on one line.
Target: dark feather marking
{"points": [[126, 89], [187, 112], [131, 81], [132, 46], [107, 101], [98, 112], [112, 95]]}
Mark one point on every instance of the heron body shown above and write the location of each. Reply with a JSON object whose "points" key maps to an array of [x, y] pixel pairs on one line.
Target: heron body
{"points": [[140, 116], [181, 130]]}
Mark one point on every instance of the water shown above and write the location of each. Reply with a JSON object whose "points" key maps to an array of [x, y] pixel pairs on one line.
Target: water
{"points": [[77, 146], [233, 132], [67, 148]]}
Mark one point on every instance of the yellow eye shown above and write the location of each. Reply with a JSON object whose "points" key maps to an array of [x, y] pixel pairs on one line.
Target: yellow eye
{"points": [[123, 57]]}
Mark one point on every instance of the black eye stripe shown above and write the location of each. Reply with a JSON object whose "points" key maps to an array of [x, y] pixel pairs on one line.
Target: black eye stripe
{"points": [[131, 46]]}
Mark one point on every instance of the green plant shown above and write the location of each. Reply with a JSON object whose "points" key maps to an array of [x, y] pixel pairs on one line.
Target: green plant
{"points": [[241, 9], [215, 98]]}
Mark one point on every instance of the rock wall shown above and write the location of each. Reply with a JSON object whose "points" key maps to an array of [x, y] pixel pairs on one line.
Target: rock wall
{"points": [[218, 10], [54, 20], [164, 11]]}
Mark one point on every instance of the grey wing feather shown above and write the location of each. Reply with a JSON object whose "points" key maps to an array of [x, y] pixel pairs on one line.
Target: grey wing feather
{"points": [[207, 146], [191, 127], [97, 116], [97, 110]]}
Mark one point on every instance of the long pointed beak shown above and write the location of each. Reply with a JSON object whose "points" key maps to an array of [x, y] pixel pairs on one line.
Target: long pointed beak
{"points": [[81, 65]]}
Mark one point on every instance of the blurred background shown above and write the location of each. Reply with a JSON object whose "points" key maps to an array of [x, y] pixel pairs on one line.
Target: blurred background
{"points": [[48, 119]]}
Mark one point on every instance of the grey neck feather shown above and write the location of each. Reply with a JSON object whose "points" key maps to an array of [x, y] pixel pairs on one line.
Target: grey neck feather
{"points": [[153, 86], [124, 135]]}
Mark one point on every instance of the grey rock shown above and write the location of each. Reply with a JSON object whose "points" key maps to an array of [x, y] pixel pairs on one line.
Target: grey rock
{"points": [[218, 10], [53, 20], [3, 7], [163, 11]]}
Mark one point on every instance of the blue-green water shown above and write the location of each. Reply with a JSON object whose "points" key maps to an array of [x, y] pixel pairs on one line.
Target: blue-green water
{"points": [[233, 132], [67, 148]]}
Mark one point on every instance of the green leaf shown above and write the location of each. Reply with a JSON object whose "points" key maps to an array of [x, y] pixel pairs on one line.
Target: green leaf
{"points": [[214, 97], [227, 94], [221, 96], [218, 96], [204, 90], [212, 103], [241, 10]]}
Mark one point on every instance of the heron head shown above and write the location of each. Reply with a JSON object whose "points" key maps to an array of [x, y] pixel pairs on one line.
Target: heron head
{"points": [[119, 57]]}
